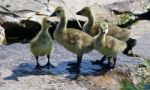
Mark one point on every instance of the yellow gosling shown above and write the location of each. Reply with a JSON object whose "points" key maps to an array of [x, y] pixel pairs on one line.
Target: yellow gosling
{"points": [[73, 40], [92, 28], [42, 44], [107, 45]]}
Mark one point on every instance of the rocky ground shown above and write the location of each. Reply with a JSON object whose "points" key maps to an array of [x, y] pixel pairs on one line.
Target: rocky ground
{"points": [[17, 63]]}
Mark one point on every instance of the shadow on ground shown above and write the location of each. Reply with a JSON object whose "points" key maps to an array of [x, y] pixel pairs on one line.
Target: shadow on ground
{"points": [[27, 69]]}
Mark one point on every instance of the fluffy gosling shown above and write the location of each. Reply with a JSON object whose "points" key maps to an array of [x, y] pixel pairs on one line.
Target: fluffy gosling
{"points": [[42, 44], [73, 40], [107, 45], [91, 27]]}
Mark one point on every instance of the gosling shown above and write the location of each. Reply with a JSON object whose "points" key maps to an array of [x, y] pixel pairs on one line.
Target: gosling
{"points": [[73, 40], [107, 45], [91, 27], [42, 44]]}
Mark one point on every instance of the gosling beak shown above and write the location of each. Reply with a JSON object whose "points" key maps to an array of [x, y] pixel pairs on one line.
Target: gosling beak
{"points": [[53, 14], [54, 23], [78, 13], [103, 31]]}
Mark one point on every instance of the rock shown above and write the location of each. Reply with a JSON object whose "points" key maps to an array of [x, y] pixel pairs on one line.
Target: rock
{"points": [[19, 29], [17, 63], [2, 35], [5, 72], [133, 6], [17, 70], [142, 72]]}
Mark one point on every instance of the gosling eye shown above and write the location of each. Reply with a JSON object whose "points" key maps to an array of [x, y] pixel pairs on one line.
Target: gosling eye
{"points": [[83, 10], [47, 21], [58, 11]]}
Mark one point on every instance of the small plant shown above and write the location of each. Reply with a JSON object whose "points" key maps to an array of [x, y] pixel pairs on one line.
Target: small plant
{"points": [[127, 85], [140, 85], [144, 84], [126, 20], [146, 63]]}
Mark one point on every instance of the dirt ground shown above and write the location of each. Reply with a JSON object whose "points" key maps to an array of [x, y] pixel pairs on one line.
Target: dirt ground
{"points": [[17, 63]]}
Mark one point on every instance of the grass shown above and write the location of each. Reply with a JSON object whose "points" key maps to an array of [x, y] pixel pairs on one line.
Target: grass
{"points": [[146, 63], [128, 85], [126, 20]]}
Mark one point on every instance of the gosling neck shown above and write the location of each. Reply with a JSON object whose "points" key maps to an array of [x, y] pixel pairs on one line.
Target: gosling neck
{"points": [[62, 24], [45, 29], [91, 21], [101, 37]]}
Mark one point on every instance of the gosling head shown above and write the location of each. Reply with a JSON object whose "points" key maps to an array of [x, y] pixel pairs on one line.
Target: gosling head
{"points": [[46, 22], [86, 11], [104, 28], [59, 11]]}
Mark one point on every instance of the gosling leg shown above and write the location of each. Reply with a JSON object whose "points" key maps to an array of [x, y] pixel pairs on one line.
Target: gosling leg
{"points": [[115, 58], [75, 63], [38, 66], [48, 65], [75, 67], [130, 44], [99, 62], [108, 65]]}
